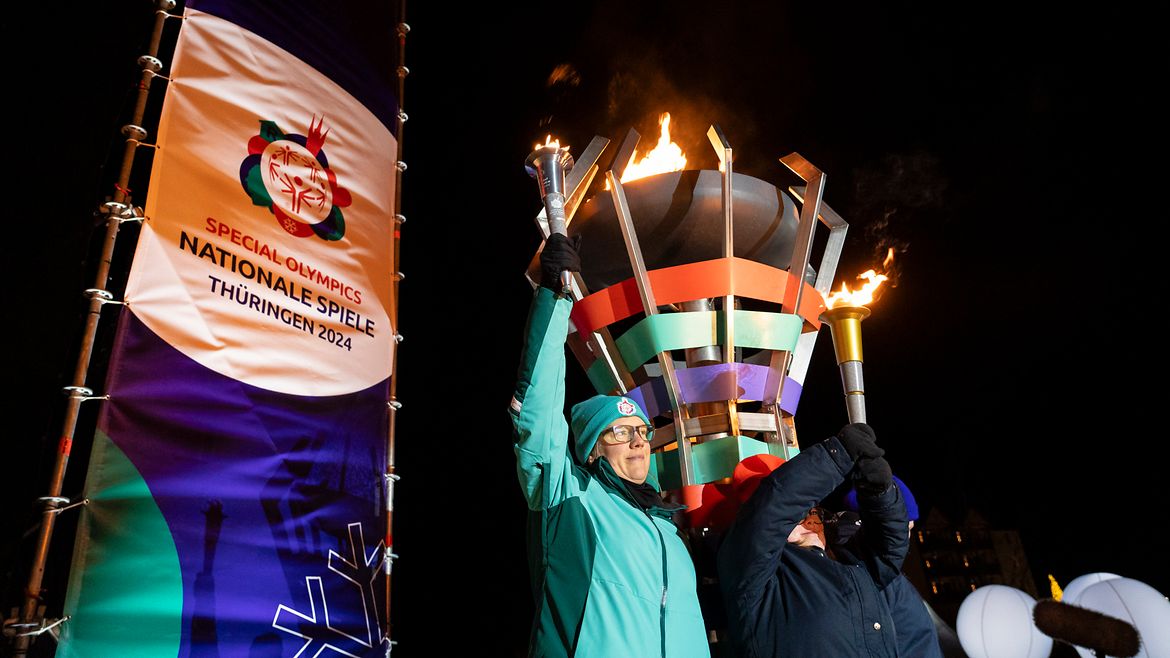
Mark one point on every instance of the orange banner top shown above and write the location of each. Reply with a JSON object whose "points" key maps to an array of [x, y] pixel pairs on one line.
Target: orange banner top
{"points": [[681, 283]]}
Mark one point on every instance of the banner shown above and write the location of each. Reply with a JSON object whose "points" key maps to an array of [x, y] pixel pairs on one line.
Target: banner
{"points": [[236, 481]]}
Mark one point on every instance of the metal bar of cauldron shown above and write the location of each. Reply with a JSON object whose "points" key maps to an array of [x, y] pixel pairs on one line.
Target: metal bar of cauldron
{"points": [[794, 291], [677, 405], [723, 150], [826, 272]]}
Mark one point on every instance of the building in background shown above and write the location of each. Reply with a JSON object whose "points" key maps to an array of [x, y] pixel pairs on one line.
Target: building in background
{"points": [[947, 561]]}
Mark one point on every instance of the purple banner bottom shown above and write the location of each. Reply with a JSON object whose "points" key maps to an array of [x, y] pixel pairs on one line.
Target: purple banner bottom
{"points": [[273, 501]]}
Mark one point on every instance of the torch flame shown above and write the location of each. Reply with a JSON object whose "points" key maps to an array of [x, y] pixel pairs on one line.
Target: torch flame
{"points": [[863, 295], [665, 156], [549, 142]]}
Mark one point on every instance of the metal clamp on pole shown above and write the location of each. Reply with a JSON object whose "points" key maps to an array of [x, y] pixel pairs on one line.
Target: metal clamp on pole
{"points": [[135, 133], [58, 510], [394, 404], [150, 63], [398, 276], [388, 561], [82, 393], [138, 143], [151, 67], [114, 208], [400, 218], [44, 627], [121, 211], [102, 296]]}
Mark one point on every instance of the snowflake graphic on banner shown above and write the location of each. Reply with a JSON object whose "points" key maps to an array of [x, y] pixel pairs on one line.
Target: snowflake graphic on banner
{"points": [[326, 636]]}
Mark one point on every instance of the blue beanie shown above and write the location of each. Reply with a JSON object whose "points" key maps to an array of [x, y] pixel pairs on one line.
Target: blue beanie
{"points": [[597, 414], [907, 497]]}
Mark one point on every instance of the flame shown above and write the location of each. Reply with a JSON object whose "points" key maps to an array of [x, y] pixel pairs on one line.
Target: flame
{"points": [[665, 156], [863, 295], [549, 142]]}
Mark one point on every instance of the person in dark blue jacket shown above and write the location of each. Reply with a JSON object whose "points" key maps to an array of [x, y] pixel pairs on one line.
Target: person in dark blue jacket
{"points": [[784, 593], [916, 634]]}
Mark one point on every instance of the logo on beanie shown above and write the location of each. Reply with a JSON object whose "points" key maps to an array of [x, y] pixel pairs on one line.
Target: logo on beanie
{"points": [[626, 408]]}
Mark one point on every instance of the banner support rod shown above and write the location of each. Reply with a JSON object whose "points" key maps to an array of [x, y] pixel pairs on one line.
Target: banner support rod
{"points": [[115, 213], [394, 405]]}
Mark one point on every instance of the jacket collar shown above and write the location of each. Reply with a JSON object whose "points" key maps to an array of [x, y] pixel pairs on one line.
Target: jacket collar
{"points": [[644, 496]]}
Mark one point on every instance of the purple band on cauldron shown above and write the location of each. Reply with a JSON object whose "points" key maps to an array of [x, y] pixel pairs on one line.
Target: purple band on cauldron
{"points": [[721, 381]]}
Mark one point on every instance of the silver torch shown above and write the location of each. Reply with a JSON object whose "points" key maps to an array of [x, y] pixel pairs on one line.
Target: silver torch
{"points": [[548, 164]]}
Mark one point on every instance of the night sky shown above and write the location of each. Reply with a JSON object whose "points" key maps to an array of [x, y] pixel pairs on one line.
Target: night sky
{"points": [[1010, 371]]}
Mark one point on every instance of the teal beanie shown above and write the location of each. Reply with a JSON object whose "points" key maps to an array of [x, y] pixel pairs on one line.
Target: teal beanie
{"points": [[597, 414]]}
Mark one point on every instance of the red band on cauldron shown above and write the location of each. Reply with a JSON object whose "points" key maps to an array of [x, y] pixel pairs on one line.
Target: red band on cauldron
{"points": [[715, 504], [682, 283]]}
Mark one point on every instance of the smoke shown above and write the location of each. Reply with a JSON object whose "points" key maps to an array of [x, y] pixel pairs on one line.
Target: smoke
{"points": [[635, 92], [891, 197], [561, 84], [634, 61]]}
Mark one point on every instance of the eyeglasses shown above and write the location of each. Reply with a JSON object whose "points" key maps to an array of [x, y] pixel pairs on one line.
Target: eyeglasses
{"points": [[619, 434], [815, 517]]}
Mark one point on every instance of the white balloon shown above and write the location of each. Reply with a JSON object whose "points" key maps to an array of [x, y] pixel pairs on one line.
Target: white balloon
{"points": [[995, 621], [1137, 603], [1081, 583]]}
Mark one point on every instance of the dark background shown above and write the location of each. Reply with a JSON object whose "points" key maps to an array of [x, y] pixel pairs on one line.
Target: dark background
{"points": [[1015, 368]]}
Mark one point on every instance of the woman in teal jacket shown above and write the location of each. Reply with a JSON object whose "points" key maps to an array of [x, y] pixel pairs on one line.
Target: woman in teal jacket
{"points": [[611, 574]]}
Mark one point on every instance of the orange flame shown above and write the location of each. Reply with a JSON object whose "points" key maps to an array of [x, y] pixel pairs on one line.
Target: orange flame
{"points": [[665, 156], [865, 294], [550, 142]]}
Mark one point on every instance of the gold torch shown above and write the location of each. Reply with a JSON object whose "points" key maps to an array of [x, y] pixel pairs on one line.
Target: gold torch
{"points": [[846, 311]]}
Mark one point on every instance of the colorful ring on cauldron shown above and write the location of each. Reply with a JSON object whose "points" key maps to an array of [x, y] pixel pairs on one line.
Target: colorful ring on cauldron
{"points": [[681, 283]]}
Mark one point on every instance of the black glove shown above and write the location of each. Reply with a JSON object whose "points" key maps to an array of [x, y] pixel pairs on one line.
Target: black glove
{"points": [[860, 441], [872, 475], [559, 254]]}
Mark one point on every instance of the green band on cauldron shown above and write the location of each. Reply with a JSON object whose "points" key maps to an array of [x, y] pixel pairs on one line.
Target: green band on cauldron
{"points": [[600, 376], [676, 331]]}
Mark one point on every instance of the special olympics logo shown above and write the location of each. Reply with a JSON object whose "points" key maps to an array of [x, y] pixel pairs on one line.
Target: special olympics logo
{"points": [[290, 175], [626, 408]]}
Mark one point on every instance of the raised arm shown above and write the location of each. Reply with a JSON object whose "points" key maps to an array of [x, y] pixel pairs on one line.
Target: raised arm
{"points": [[751, 551], [537, 410], [884, 538], [887, 534], [883, 518]]}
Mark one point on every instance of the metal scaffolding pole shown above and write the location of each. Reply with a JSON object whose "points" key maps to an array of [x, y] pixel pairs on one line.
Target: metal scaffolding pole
{"points": [[391, 476], [116, 211]]}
